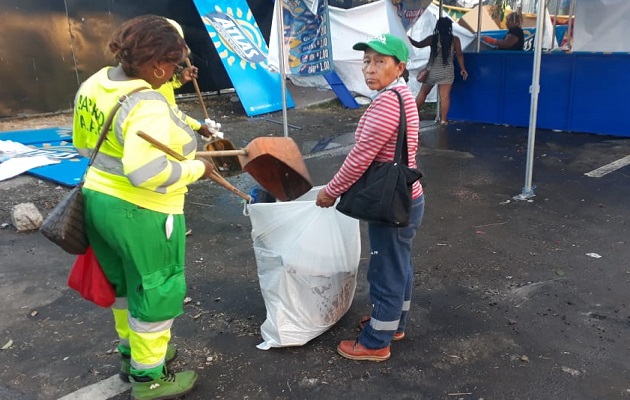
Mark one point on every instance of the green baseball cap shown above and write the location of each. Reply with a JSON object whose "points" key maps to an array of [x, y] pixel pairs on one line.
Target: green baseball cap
{"points": [[387, 44]]}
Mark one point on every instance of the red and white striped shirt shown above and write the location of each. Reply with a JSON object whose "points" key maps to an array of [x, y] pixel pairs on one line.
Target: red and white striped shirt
{"points": [[375, 138]]}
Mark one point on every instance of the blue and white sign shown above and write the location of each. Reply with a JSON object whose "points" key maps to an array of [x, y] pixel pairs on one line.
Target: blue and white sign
{"points": [[55, 144], [307, 37], [243, 51]]}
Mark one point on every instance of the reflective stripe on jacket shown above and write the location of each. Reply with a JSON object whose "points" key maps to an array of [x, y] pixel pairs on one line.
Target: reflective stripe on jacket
{"points": [[127, 166], [168, 91]]}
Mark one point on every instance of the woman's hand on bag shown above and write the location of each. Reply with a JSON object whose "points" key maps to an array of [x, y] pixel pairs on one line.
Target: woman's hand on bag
{"points": [[209, 167], [324, 200]]}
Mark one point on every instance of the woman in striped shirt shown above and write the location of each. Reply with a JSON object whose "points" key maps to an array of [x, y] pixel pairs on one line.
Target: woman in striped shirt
{"points": [[390, 272]]}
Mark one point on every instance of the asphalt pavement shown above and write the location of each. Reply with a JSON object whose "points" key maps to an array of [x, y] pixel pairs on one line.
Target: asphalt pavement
{"points": [[514, 299]]}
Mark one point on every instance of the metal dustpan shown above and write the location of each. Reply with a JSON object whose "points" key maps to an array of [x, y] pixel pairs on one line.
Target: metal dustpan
{"points": [[275, 163]]}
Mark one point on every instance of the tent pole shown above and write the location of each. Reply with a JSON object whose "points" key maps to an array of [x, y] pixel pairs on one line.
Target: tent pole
{"points": [[479, 26], [555, 22], [528, 189], [438, 109], [283, 75], [544, 25], [570, 27]]}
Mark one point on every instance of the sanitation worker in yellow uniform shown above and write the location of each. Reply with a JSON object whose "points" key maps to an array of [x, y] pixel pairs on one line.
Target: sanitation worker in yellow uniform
{"points": [[134, 198]]}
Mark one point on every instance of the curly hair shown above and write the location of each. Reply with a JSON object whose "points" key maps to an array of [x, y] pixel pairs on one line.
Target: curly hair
{"points": [[444, 33], [514, 18], [144, 40]]}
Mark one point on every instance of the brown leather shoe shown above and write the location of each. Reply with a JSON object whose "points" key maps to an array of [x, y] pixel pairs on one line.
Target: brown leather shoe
{"points": [[366, 320], [354, 350]]}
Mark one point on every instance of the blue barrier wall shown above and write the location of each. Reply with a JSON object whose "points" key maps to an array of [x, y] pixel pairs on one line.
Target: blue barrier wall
{"points": [[579, 92]]}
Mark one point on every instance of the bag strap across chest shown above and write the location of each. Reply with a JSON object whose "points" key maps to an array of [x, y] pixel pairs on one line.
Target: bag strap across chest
{"points": [[402, 152]]}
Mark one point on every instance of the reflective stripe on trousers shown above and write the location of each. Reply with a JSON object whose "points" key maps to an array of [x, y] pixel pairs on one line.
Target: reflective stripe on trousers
{"points": [[145, 342], [390, 275]]}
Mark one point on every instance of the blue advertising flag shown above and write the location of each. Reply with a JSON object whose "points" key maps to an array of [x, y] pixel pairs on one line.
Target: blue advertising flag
{"points": [[307, 37], [243, 51]]}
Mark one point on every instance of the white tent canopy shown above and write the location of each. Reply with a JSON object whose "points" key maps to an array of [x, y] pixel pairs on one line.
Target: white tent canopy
{"points": [[348, 27], [602, 25]]}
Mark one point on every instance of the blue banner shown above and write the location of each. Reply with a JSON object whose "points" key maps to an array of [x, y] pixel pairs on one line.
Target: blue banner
{"points": [[55, 143], [307, 37], [243, 51]]}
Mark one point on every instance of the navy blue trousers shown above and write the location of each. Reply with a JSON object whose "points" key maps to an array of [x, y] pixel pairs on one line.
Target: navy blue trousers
{"points": [[390, 275]]}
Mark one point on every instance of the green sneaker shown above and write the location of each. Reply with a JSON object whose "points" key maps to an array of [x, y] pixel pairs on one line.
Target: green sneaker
{"points": [[169, 386], [125, 362]]}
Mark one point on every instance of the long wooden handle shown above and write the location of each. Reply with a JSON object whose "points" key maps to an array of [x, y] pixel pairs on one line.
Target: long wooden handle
{"points": [[222, 153], [203, 106], [215, 176]]}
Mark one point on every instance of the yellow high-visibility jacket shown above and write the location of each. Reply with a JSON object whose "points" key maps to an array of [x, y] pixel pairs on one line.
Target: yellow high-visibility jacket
{"points": [[127, 166], [168, 91]]}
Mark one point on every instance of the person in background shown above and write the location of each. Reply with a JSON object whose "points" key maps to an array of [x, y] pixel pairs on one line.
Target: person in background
{"points": [[514, 39], [134, 198], [390, 271], [180, 78], [444, 47]]}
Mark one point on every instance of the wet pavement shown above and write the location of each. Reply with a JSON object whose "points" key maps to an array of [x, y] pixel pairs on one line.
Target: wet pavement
{"points": [[513, 299]]}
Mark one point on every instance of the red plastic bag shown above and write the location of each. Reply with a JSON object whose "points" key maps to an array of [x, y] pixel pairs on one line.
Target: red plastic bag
{"points": [[87, 278]]}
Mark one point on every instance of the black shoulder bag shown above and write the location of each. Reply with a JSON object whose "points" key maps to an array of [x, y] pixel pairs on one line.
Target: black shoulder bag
{"points": [[383, 193]]}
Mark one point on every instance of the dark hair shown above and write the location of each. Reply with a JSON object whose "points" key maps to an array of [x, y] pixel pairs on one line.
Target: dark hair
{"points": [[144, 40], [405, 75], [515, 18], [444, 33]]}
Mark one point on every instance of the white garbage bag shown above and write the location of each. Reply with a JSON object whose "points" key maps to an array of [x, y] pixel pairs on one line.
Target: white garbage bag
{"points": [[307, 259]]}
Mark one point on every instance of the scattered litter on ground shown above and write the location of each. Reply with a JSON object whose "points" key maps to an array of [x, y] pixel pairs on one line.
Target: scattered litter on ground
{"points": [[571, 371]]}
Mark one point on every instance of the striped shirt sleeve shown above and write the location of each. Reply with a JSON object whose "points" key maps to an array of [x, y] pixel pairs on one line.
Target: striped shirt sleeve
{"points": [[375, 137]]}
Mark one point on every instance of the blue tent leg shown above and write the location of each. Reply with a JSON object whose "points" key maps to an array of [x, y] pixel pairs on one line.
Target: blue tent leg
{"points": [[342, 92]]}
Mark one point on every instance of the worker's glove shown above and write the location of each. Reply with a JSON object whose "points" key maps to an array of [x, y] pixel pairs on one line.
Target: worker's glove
{"points": [[215, 128]]}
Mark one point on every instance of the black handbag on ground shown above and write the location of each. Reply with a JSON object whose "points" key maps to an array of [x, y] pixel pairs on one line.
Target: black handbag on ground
{"points": [[383, 193], [65, 225]]}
